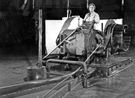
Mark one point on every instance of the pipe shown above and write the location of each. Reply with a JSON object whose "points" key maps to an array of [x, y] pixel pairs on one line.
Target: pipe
{"points": [[83, 64], [68, 11], [80, 63], [87, 3], [102, 25], [27, 87], [56, 86]]}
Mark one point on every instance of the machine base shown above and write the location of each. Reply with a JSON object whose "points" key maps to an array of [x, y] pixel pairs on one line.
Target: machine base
{"points": [[112, 66]]}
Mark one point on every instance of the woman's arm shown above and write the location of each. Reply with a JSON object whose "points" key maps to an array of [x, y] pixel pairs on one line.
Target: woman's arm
{"points": [[97, 18], [86, 16]]}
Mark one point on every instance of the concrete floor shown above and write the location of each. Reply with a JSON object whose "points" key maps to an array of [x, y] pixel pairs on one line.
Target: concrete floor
{"points": [[14, 68], [121, 85], [14, 62]]}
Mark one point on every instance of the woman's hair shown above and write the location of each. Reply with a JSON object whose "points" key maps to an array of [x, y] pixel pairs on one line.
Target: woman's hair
{"points": [[92, 4]]}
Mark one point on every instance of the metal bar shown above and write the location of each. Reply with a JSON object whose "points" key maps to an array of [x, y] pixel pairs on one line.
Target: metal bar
{"points": [[68, 4], [45, 34], [87, 3], [65, 89], [83, 64], [92, 53], [102, 28], [69, 86], [56, 86], [68, 11], [23, 87], [68, 76], [61, 92]]}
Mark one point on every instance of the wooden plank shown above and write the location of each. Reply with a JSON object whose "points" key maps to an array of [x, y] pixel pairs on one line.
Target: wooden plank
{"points": [[40, 39]]}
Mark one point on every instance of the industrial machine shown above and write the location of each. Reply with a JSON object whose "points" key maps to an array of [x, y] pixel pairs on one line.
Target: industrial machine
{"points": [[84, 53], [97, 51]]}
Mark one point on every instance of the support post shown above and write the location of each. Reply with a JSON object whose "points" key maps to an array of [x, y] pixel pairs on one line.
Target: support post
{"points": [[102, 28], [40, 39], [68, 10], [87, 3], [45, 34], [38, 72]]}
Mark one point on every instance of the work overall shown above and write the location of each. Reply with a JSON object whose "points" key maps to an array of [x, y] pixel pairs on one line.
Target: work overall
{"points": [[90, 35]]}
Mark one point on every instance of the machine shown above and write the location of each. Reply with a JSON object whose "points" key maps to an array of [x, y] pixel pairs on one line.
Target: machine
{"points": [[96, 48], [84, 53]]}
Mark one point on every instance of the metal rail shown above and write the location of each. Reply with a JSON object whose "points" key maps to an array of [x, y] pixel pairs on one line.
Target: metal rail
{"points": [[79, 63], [27, 87]]}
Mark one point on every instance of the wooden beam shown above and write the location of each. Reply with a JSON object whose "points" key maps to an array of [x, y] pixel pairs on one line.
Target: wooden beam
{"points": [[40, 39]]}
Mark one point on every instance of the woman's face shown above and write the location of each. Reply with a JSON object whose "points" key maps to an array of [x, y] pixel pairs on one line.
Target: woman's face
{"points": [[91, 8]]}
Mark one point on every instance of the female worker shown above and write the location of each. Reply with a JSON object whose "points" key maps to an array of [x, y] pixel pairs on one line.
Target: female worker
{"points": [[92, 17]]}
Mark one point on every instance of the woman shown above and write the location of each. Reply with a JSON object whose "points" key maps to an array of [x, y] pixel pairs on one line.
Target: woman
{"points": [[92, 17]]}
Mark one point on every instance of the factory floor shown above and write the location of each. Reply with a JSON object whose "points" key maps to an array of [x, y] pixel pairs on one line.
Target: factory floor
{"points": [[14, 62], [13, 69]]}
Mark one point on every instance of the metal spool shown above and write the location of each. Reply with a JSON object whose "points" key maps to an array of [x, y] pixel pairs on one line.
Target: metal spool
{"points": [[118, 42]]}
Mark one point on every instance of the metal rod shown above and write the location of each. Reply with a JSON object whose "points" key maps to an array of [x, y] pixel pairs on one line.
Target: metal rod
{"points": [[56, 93], [92, 53], [68, 77], [68, 9], [122, 8], [56, 86], [87, 3], [67, 4], [45, 35], [102, 27], [83, 64], [27, 87]]}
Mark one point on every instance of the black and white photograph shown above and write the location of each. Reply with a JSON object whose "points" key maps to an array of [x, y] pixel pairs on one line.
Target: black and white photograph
{"points": [[67, 48]]}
